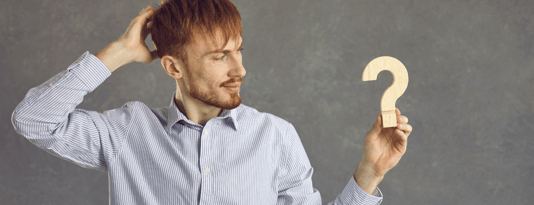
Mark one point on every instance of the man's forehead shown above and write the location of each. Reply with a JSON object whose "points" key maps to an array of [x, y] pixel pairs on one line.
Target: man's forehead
{"points": [[206, 44]]}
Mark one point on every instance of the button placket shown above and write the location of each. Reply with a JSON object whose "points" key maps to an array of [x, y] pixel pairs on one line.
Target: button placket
{"points": [[209, 143]]}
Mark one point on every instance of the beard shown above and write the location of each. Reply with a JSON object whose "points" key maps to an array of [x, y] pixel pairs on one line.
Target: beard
{"points": [[215, 97]]}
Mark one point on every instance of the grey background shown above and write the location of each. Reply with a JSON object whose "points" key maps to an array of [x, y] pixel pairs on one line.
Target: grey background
{"points": [[469, 99]]}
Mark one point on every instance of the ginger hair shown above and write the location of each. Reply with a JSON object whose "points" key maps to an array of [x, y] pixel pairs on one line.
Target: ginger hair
{"points": [[177, 23]]}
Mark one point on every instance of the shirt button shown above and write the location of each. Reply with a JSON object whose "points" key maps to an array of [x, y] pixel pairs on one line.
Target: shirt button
{"points": [[205, 132], [50, 85], [207, 170], [219, 122]]}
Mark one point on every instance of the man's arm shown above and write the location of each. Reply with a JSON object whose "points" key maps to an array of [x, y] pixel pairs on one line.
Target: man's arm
{"points": [[113, 56], [295, 180], [48, 118]]}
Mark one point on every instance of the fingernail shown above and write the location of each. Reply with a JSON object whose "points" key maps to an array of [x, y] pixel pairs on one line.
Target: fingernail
{"points": [[400, 125]]}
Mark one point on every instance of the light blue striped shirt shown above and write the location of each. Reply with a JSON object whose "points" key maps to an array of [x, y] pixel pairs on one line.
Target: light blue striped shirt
{"points": [[158, 156]]}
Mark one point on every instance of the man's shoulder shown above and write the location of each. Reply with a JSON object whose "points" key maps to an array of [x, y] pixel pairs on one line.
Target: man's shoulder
{"points": [[143, 109]]}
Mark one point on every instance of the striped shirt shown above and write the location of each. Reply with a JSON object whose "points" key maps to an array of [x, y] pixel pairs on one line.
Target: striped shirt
{"points": [[159, 156]]}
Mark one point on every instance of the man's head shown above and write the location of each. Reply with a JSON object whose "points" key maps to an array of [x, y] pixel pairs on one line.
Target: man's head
{"points": [[199, 43]]}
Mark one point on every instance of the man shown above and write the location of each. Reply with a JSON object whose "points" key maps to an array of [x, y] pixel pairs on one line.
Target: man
{"points": [[206, 147]]}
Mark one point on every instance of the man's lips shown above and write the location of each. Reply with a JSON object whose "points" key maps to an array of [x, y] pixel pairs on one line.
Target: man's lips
{"points": [[233, 89], [233, 85]]}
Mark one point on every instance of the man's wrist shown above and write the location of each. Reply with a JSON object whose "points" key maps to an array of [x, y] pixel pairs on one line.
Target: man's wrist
{"points": [[367, 179], [114, 56]]}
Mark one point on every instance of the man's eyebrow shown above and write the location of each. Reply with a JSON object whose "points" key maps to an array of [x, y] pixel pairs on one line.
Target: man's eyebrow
{"points": [[223, 51]]}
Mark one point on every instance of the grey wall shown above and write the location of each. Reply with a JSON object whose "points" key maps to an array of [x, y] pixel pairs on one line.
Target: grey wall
{"points": [[469, 100]]}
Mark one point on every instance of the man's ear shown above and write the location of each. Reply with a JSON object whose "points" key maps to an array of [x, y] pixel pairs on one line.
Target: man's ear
{"points": [[173, 67]]}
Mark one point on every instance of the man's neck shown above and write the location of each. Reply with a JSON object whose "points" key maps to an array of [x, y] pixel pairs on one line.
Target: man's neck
{"points": [[198, 115]]}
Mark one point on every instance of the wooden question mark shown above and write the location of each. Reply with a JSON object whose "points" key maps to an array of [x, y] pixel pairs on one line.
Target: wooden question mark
{"points": [[394, 91]]}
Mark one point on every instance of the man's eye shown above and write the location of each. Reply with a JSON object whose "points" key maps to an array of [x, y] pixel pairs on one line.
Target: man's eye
{"points": [[225, 55]]}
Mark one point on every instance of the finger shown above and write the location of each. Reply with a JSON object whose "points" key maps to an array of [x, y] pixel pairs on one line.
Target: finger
{"points": [[408, 130], [146, 9], [146, 15], [146, 30], [397, 111], [143, 11], [402, 119], [404, 127], [140, 23], [402, 136]]}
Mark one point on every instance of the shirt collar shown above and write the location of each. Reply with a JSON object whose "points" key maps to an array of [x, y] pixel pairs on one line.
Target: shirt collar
{"points": [[174, 114]]}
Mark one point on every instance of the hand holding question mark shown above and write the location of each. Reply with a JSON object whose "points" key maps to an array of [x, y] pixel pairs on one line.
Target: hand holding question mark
{"points": [[384, 145]]}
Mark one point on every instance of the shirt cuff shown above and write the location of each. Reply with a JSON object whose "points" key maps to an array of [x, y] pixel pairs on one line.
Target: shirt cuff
{"points": [[354, 194], [90, 70]]}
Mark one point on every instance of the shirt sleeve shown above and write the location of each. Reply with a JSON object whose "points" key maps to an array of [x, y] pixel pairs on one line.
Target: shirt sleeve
{"points": [[295, 179], [48, 119]]}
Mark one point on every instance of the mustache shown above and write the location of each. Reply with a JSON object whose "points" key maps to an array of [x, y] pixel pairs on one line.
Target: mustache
{"points": [[232, 81]]}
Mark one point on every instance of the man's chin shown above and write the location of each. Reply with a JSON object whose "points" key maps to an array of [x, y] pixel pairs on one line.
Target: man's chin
{"points": [[231, 104]]}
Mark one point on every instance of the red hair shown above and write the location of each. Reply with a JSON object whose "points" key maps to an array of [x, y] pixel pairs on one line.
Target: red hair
{"points": [[176, 22]]}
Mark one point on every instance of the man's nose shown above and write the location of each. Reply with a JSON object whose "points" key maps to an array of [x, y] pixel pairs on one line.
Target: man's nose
{"points": [[238, 67]]}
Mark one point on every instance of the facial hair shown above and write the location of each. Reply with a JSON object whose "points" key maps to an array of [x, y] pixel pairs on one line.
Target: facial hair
{"points": [[214, 96]]}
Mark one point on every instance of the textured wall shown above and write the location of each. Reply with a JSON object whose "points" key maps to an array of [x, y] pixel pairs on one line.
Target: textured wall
{"points": [[469, 100]]}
